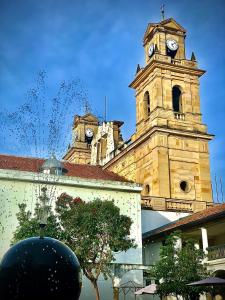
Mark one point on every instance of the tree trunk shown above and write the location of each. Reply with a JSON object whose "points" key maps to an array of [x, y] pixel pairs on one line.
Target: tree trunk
{"points": [[95, 285], [115, 293]]}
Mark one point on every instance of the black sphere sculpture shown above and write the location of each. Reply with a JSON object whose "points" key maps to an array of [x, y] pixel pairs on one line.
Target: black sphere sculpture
{"points": [[38, 269]]}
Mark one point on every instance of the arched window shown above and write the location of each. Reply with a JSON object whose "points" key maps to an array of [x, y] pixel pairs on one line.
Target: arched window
{"points": [[147, 189], [146, 104], [177, 101]]}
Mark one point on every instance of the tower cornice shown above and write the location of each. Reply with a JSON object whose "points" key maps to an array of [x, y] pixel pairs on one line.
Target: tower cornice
{"points": [[179, 66], [153, 130]]}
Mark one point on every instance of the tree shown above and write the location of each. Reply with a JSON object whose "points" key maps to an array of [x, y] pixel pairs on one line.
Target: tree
{"points": [[28, 225], [179, 266], [93, 230]]}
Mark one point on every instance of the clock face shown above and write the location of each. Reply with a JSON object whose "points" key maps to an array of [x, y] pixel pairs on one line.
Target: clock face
{"points": [[89, 133], [151, 49], [172, 45]]}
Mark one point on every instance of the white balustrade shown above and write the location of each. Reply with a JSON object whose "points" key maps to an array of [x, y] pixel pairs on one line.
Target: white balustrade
{"points": [[179, 116]]}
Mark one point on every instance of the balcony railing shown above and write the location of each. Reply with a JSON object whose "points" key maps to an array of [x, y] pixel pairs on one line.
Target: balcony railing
{"points": [[179, 205], [216, 252], [179, 116], [159, 203]]}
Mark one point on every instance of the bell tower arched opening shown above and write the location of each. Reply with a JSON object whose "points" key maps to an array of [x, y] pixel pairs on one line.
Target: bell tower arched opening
{"points": [[146, 105], [177, 99]]}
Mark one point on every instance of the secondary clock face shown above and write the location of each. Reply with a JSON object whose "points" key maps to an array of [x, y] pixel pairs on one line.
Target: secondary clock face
{"points": [[89, 133], [151, 49], [172, 45]]}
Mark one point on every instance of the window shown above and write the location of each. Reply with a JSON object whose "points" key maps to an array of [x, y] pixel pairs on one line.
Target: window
{"points": [[146, 104], [184, 186], [147, 189], [177, 103]]}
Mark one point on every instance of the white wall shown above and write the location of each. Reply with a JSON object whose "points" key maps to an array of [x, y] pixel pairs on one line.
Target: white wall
{"points": [[151, 252], [153, 219], [24, 187], [105, 287], [150, 221]]}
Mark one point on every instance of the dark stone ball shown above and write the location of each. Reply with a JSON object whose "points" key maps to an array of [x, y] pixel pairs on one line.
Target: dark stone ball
{"points": [[39, 269]]}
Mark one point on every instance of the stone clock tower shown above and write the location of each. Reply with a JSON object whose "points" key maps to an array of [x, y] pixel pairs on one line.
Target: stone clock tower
{"points": [[84, 129], [168, 153]]}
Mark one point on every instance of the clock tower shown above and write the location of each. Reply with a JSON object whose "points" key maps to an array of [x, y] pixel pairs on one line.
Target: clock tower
{"points": [[84, 129], [168, 154]]}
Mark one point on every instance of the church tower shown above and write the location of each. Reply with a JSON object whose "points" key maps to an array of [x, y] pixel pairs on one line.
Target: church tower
{"points": [[84, 129], [168, 153]]}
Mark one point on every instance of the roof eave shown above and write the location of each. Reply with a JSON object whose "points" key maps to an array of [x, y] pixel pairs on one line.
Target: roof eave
{"points": [[149, 236]]}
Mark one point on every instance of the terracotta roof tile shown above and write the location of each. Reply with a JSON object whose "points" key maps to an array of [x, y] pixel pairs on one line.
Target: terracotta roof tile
{"points": [[198, 217], [31, 164]]}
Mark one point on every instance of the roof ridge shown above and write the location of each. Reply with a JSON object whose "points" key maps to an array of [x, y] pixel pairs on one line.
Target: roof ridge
{"points": [[21, 156], [31, 164]]}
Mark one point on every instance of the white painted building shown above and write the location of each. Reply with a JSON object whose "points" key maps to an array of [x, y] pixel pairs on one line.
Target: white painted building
{"points": [[206, 227], [21, 182]]}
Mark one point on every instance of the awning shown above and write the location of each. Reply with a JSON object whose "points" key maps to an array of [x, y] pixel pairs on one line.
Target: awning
{"points": [[149, 289]]}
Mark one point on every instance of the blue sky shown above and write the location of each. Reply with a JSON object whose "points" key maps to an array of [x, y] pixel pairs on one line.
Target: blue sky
{"points": [[101, 43]]}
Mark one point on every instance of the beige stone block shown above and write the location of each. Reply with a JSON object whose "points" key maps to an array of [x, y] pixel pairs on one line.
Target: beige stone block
{"points": [[198, 206], [158, 203]]}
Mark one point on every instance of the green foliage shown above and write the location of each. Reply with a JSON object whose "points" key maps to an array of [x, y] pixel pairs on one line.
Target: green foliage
{"points": [[93, 230], [179, 266], [28, 225]]}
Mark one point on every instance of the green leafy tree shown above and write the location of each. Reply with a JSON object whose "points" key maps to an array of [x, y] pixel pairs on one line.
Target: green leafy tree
{"points": [[28, 225], [93, 230], [179, 266]]}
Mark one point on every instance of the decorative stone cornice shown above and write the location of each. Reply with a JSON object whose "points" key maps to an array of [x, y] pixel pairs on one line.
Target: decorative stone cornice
{"points": [[153, 130], [184, 67]]}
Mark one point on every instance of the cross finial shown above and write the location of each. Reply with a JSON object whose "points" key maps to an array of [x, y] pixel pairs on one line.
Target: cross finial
{"points": [[105, 112], [163, 11], [86, 107]]}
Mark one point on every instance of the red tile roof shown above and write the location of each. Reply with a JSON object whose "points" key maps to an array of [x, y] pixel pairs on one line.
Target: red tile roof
{"points": [[31, 164], [196, 218]]}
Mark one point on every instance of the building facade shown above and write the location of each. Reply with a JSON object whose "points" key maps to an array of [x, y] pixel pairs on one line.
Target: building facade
{"points": [[206, 228], [168, 153], [21, 180]]}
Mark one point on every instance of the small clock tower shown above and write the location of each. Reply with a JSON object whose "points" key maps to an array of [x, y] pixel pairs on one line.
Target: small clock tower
{"points": [[84, 129]]}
